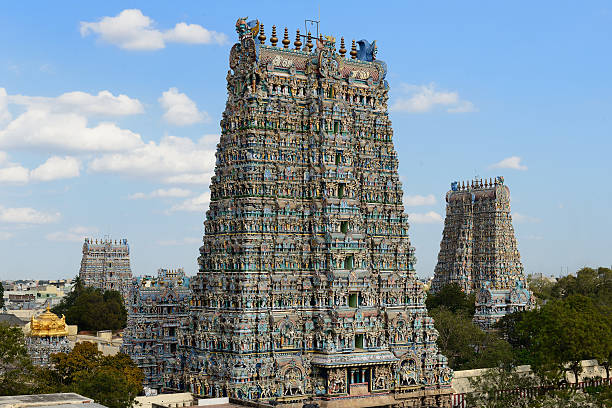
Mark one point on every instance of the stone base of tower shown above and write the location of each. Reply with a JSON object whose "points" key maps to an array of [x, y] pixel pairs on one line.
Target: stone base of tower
{"points": [[415, 398]]}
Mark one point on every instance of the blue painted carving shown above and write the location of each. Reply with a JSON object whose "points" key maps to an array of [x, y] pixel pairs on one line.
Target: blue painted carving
{"points": [[366, 51]]}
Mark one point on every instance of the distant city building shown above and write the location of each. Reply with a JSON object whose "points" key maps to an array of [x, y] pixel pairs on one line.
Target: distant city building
{"points": [[157, 317], [479, 251], [47, 334], [106, 265]]}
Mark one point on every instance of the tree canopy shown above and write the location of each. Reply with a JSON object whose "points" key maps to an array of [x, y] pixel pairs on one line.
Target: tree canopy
{"points": [[452, 298], [91, 309], [113, 381], [16, 370]]}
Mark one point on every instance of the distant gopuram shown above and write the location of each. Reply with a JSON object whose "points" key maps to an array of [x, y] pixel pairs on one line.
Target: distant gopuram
{"points": [[479, 252], [306, 287], [106, 265]]}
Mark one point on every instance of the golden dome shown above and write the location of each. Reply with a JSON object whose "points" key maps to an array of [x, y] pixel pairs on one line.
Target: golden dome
{"points": [[48, 324]]}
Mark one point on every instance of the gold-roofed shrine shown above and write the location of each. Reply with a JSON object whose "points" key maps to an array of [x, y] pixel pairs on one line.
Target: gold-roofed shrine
{"points": [[48, 324]]}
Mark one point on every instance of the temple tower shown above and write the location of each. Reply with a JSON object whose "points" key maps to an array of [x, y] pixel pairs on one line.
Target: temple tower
{"points": [[479, 251], [158, 317], [106, 265], [306, 287]]}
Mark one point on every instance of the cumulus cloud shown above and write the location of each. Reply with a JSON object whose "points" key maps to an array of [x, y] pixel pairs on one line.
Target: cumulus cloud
{"points": [[5, 115], [430, 217], [425, 98], [56, 168], [162, 193], [172, 160], [104, 103], [197, 204], [75, 234], [61, 124], [132, 30], [418, 200], [513, 162], [26, 215], [180, 109]]}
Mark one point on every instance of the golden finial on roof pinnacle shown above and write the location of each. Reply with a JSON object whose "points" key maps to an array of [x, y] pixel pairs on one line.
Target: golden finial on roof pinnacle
{"points": [[309, 42], [274, 38], [342, 50], [353, 50], [286, 41], [262, 36], [298, 42]]}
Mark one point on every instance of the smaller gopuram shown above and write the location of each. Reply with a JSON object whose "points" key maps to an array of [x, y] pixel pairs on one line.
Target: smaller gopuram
{"points": [[157, 319], [106, 265], [47, 335], [479, 251]]}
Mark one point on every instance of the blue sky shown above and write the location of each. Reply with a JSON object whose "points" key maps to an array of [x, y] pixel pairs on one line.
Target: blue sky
{"points": [[109, 114]]}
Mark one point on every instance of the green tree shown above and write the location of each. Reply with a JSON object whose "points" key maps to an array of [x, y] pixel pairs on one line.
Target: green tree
{"points": [[107, 386], [113, 381], [504, 387], [453, 298], [91, 309], [16, 370], [561, 333], [465, 345], [542, 288]]}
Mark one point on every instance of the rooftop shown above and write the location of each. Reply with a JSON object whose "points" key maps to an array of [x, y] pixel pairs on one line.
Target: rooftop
{"points": [[68, 399]]}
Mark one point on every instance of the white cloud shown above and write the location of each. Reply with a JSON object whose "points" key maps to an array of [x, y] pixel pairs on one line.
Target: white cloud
{"points": [[75, 234], [430, 217], [162, 193], [513, 162], [14, 174], [5, 115], [26, 215], [56, 168], [180, 109], [172, 160], [522, 218], [194, 34], [5, 235], [104, 103], [198, 204], [61, 124], [65, 132], [418, 200], [177, 242], [425, 98], [132, 30], [53, 169]]}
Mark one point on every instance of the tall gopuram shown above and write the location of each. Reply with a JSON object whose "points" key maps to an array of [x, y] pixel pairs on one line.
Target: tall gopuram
{"points": [[479, 252], [106, 265], [157, 318], [306, 288]]}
